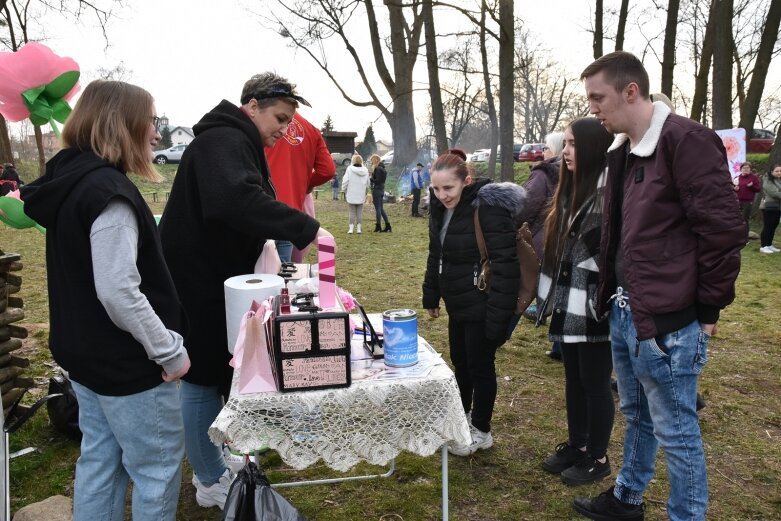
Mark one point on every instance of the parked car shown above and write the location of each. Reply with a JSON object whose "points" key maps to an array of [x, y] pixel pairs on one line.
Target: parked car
{"points": [[342, 158], [531, 152], [516, 152], [387, 158], [761, 141], [480, 155], [169, 155]]}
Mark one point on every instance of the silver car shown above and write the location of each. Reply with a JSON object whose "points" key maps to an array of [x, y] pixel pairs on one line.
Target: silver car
{"points": [[170, 155]]}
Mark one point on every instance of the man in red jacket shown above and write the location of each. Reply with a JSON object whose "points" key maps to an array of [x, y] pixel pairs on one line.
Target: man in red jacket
{"points": [[669, 256], [298, 162]]}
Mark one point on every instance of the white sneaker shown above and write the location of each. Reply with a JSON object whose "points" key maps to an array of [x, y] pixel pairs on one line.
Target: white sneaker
{"points": [[350, 230], [480, 440], [775, 250], [216, 494], [766, 249], [359, 228]]}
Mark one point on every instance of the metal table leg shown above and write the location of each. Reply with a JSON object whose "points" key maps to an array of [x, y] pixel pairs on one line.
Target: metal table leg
{"points": [[445, 483]]}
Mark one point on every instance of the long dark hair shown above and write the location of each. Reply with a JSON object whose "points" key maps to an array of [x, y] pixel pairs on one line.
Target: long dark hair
{"points": [[591, 143]]}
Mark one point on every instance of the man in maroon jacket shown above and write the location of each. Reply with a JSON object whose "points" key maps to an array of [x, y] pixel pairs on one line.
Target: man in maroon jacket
{"points": [[670, 254]]}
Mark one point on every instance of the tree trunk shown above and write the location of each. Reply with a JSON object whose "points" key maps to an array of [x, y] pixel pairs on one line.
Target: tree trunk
{"points": [[434, 89], [6, 154], [489, 97], [41, 155], [668, 60], [598, 30], [748, 114], [722, 66], [622, 16], [404, 141], [775, 153], [700, 97], [506, 86]]}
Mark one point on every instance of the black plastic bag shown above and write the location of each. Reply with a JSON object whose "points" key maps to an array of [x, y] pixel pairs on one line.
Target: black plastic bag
{"points": [[251, 498], [64, 410]]}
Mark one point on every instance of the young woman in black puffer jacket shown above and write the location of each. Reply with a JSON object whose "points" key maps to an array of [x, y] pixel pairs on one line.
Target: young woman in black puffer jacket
{"points": [[478, 320]]}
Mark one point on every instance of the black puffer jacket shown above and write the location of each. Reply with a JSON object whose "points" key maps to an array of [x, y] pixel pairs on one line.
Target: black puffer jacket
{"points": [[378, 177], [540, 188], [452, 267]]}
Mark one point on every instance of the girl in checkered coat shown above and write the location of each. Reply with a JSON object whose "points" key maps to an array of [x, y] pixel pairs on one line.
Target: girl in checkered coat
{"points": [[567, 288]]}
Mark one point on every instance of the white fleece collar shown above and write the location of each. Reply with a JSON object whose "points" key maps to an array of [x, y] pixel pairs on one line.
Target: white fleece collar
{"points": [[648, 144]]}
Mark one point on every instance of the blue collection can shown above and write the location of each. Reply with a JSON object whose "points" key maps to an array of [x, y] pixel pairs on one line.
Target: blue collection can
{"points": [[400, 337]]}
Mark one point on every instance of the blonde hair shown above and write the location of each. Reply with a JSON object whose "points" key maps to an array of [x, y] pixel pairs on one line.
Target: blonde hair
{"points": [[112, 119], [374, 159], [357, 160]]}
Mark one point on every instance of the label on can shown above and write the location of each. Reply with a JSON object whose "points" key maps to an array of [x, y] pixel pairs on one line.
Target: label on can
{"points": [[400, 337]]}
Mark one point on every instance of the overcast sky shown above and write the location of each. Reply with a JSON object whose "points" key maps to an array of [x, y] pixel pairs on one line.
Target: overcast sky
{"points": [[190, 54]]}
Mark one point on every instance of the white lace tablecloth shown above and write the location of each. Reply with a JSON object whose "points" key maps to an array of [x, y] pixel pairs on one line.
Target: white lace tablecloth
{"points": [[372, 420]]}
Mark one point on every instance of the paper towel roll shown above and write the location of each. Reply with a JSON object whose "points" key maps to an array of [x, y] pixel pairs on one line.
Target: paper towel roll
{"points": [[240, 291]]}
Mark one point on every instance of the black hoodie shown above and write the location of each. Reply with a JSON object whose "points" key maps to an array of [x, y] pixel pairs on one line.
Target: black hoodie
{"points": [[221, 211], [66, 200]]}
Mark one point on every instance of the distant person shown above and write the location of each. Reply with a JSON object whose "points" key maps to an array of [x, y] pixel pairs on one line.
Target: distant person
{"points": [[416, 184], [478, 320], [299, 162], [378, 178], [747, 186], [355, 185], [335, 187], [115, 317], [669, 256], [567, 287], [9, 179], [771, 209], [540, 187], [221, 211]]}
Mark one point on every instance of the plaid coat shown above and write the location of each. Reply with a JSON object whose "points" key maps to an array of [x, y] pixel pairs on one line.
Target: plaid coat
{"points": [[569, 292]]}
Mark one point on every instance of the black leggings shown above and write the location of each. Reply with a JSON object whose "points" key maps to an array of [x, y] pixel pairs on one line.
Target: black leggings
{"points": [[590, 407], [473, 359], [769, 225]]}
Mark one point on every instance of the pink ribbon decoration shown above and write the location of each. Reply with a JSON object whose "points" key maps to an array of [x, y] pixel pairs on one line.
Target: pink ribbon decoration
{"points": [[326, 260], [250, 355]]}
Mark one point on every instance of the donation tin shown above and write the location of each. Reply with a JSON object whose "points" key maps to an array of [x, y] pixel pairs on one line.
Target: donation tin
{"points": [[400, 337]]}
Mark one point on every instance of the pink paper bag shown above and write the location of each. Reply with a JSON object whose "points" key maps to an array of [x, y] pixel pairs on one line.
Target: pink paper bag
{"points": [[326, 260], [268, 261], [250, 355]]}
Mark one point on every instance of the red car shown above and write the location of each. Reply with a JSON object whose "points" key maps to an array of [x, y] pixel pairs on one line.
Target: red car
{"points": [[531, 152], [761, 141]]}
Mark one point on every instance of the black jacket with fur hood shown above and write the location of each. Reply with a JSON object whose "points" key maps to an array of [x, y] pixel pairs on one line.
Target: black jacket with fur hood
{"points": [[453, 266]]}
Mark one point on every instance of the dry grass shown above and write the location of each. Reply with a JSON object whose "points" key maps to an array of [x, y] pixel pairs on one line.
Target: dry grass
{"points": [[741, 423]]}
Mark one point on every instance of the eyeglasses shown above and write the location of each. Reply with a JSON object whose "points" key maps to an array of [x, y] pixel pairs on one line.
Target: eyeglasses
{"points": [[156, 123], [275, 91], [545, 148]]}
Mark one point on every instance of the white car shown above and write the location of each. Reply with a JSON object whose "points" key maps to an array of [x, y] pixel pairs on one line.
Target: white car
{"points": [[480, 155], [387, 158], [169, 155]]}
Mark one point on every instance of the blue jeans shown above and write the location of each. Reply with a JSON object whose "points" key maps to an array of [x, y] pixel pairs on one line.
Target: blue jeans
{"points": [[138, 437], [285, 250], [657, 386], [200, 406]]}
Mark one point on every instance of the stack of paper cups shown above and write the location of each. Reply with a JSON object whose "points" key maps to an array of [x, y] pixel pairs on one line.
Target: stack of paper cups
{"points": [[326, 261], [240, 291]]}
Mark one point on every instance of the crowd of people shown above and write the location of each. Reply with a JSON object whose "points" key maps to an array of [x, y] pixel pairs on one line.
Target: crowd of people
{"points": [[639, 246]]}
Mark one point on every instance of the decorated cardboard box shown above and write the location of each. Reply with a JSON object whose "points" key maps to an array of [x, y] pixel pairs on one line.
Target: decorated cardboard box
{"points": [[311, 346]]}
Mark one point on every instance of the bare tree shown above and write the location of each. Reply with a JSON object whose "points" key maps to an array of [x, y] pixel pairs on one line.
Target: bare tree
{"points": [[434, 87], [623, 13], [464, 98], [702, 72], [722, 65], [767, 45], [599, 13], [309, 24], [489, 97], [506, 101], [668, 60]]}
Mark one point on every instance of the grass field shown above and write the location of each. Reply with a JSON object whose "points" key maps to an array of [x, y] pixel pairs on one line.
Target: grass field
{"points": [[741, 424]]}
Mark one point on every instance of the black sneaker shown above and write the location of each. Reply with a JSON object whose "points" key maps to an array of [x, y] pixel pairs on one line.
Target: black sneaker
{"points": [[565, 456], [585, 471], [605, 507]]}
